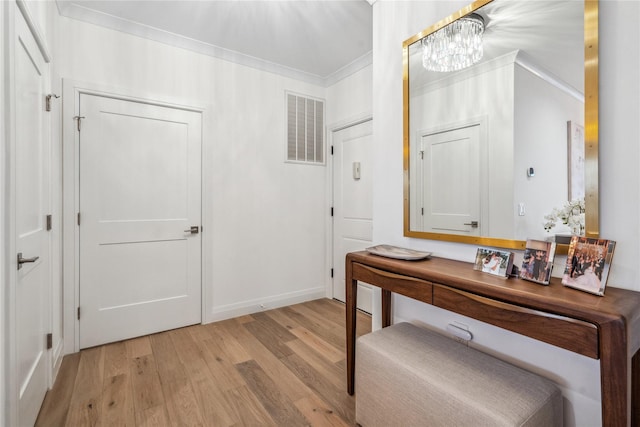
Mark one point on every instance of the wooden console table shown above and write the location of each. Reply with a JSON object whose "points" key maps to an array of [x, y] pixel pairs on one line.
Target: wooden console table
{"points": [[605, 328]]}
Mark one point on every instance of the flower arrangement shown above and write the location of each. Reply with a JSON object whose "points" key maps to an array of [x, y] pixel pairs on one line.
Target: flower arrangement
{"points": [[571, 214]]}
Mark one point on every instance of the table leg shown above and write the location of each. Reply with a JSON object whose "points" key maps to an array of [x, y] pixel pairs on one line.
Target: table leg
{"points": [[615, 375], [635, 390], [386, 308], [351, 296]]}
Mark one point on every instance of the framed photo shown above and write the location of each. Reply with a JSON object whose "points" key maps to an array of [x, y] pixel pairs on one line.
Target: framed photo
{"points": [[576, 160], [538, 261], [494, 262], [588, 264]]}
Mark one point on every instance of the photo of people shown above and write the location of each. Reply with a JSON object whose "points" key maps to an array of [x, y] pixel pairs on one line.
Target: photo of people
{"points": [[538, 261], [493, 261], [588, 263]]}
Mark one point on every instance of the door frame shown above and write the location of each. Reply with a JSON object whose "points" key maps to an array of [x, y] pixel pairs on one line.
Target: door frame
{"points": [[332, 129], [71, 90], [8, 266]]}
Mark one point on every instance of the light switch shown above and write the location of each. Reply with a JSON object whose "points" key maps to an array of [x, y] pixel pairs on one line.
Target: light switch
{"points": [[356, 170], [521, 210]]}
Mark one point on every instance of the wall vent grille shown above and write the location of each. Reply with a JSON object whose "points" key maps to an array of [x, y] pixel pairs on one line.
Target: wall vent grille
{"points": [[305, 129]]}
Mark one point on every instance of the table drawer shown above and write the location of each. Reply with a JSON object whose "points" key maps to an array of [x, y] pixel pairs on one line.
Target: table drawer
{"points": [[399, 284], [574, 335]]}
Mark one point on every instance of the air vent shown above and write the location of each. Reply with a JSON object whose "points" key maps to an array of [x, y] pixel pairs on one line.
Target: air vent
{"points": [[305, 129]]}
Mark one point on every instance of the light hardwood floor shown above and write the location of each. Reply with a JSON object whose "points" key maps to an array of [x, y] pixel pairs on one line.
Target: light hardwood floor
{"points": [[282, 367]]}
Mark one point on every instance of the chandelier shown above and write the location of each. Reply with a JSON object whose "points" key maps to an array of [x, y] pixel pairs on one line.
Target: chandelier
{"points": [[454, 47]]}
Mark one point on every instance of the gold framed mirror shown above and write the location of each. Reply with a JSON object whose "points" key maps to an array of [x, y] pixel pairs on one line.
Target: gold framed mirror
{"points": [[515, 161]]}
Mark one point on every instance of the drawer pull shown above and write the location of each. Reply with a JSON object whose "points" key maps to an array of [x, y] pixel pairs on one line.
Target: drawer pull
{"points": [[393, 275], [408, 286]]}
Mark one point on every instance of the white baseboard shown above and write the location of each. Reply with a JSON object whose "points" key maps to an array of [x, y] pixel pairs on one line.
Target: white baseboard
{"points": [[56, 361], [261, 304]]}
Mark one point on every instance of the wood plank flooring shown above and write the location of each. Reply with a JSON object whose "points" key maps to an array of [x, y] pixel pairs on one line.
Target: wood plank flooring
{"points": [[282, 367]]}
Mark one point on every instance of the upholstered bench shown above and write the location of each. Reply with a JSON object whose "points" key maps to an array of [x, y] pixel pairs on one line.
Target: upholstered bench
{"points": [[410, 376]]}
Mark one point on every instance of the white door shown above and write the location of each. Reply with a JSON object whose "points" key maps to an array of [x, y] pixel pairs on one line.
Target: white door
{"points": [[139, 199], [32, 239], [352, 203], [450, 166]]}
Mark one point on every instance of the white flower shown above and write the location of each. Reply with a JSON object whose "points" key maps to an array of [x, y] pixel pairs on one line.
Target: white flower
{"points": [[571, 214]]}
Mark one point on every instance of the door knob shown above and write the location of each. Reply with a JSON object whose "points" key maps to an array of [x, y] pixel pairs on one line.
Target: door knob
{"points": [[473, 224], [193, 230], [25, 260]]}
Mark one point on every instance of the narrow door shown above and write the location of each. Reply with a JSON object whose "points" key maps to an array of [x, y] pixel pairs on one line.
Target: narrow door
{"points": [[352, 203], [140, 246], [450, 164], [32, 240]]}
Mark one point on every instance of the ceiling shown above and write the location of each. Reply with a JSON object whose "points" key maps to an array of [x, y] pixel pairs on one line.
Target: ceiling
{"points": [[319, 41]]}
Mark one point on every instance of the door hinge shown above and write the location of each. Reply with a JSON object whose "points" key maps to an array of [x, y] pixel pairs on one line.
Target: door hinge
{"points": [[422, 211], [49, 341], [331, 210], [332, 272], [78, 118], [47, 101], [78, 313], [78, 218], [332, 150], [49, 222]]}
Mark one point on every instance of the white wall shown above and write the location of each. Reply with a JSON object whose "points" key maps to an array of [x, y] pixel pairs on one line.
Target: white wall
{"points": [[619, 184], [540, 134], [619, 135], [349, 99], [264, 226]]}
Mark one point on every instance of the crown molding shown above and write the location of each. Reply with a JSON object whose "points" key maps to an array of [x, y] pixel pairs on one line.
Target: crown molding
{"points": [[349, 69], [525, 61], [517, 57]]}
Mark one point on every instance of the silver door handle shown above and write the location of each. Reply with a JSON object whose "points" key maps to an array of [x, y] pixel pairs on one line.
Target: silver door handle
{"points": [[25, 260], [193, 230], [473, 224]]}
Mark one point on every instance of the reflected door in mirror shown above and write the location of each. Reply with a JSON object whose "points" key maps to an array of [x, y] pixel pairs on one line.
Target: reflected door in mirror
{"points": [[449, 193]]}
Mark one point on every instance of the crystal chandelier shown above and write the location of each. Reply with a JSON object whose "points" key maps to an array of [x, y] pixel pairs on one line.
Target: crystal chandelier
{"points": [[454, 47]]}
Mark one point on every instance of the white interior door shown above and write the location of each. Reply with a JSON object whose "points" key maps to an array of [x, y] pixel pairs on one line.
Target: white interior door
{"points": [[32, 239], [451, 181], [140, 263], [352, 203]]}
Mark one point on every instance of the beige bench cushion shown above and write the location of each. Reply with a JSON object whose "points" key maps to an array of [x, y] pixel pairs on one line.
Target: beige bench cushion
{"points": [[410, 376]]}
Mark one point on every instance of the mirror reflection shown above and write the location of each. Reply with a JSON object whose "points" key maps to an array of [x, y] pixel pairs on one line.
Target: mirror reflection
{"points": [[495, 146]]}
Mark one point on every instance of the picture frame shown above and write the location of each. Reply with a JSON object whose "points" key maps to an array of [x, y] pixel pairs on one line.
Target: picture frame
{"points": [[588, 264], [493, 261], [575, 160], [538, 261]]}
